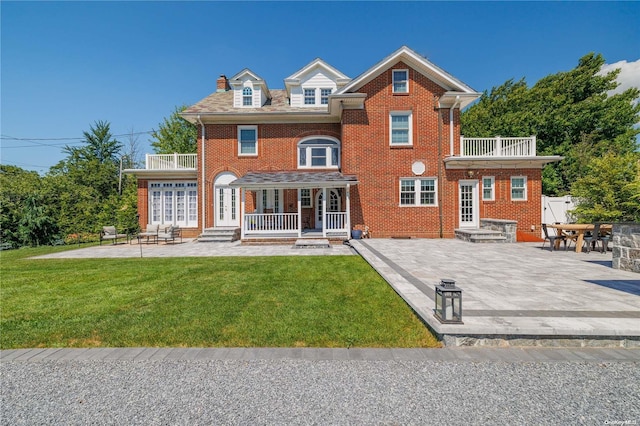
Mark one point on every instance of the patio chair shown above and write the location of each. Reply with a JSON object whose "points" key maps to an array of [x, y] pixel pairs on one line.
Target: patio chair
{"points": [[150, 232], [591, 239], [605, 237], [170, 233], [110, 233], [552, 238]]}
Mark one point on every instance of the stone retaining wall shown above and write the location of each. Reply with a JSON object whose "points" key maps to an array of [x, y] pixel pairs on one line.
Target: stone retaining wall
{"points": [[507, 227], [626, 246]]}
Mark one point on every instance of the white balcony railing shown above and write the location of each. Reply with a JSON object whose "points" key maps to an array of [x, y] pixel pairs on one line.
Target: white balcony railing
{"points": [[170, 161], [498, 147]]}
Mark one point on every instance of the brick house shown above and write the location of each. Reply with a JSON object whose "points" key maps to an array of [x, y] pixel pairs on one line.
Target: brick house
{"points": [[328, 154]]}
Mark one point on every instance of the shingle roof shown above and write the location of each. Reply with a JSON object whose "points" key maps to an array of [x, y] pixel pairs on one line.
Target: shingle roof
{"points": [[293, 179], [222, 102]]}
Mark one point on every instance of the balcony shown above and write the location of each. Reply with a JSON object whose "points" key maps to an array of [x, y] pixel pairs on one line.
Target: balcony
{"points": [[498, 152], [170, 161], [498, 147]]}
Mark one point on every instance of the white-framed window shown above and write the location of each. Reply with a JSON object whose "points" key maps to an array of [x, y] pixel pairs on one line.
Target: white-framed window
{"points": [[309, 96], [318, 153], [418, 192], [247, 140], [518, 188], [173, 203], [400, 128], [247, 96], [324, 96], [488, 188], [305, 198], [400, 81]]}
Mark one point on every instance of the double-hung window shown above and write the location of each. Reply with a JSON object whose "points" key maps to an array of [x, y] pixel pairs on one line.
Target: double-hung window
{"points": [[518, 188], [247, 140], [305, 198], [309, 96], [247, 96], [400, 129], [324, 96], [318, 153], [418, 192], [488, 188], [400, 81]]}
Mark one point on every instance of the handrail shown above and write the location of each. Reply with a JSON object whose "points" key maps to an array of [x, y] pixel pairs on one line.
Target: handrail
{"points": [[498, 147], [171, 161]]}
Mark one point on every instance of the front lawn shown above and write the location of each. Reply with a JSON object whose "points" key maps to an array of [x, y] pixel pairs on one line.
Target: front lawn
{"points": [[313, 301]]}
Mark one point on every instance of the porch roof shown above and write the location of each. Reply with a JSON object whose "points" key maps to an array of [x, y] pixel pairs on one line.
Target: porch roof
{"points": [[294, 179]]}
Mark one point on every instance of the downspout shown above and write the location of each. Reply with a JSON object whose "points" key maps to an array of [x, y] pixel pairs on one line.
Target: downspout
{"points": [[457, 102], [202, 202], [440, 160]]}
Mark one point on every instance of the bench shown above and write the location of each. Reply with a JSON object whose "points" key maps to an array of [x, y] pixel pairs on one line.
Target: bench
{"points": [[110, 233]]}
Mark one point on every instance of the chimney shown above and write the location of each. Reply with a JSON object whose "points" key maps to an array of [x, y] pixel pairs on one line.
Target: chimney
{"points": [[223, 83]]}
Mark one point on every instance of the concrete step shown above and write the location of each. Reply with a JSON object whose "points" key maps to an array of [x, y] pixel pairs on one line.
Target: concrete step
{"points": [[219, 235], [311, 243], [480, 236]]}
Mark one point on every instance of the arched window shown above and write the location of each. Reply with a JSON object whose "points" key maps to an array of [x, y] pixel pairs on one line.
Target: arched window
{"points": [[319, 153], [247, 96]]}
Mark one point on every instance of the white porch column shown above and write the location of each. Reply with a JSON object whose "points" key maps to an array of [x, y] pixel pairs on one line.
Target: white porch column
{"points": [[324, 212], [348, 209], [242, 221], [299, 213]]}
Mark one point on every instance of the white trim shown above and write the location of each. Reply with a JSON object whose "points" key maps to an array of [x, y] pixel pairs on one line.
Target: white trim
{"points": [[493, 188], [417, 191], [253, 154], [525, 197], [407, 113], [328, 152], [393, 79]]}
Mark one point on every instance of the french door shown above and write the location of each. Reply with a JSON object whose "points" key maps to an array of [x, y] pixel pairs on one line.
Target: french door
{"points": [[468, 203], [333, 205]]}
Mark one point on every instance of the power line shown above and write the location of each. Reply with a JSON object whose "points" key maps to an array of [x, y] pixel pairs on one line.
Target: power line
{"points": [[39, 144]]}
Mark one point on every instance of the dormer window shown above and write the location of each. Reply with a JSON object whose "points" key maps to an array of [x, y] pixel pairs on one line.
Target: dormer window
{"points": [[309, 96], [324, 96], [318, 153], [247, 96]]}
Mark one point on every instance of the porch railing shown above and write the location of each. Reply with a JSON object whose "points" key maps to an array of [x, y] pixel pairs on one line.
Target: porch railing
{"points": [[498, 147], [265, 223], [170, 161], [336, 221]]}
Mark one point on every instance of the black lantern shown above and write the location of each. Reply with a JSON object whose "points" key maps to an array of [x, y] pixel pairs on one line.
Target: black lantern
{"points": [[448, 302]]}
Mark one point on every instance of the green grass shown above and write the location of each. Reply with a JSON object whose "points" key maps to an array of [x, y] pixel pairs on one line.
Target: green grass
{"points": [[304, 301]]}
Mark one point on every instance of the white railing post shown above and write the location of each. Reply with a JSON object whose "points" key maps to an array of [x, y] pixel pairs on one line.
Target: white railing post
{"points": [[244, 220], [299, 213], [533, 152], [146, 161], [462, 150], [498, 146]]}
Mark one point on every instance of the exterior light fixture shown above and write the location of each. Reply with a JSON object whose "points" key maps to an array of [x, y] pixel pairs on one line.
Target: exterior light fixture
{"points": [[448, 302]]}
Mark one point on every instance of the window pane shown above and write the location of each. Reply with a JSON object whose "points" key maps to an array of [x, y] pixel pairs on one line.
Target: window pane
{"points": [[303, 157], [324, 96], [334, 156], [400, 129], [318, 156], [400, 81], [400, 136], [427, 192], [309, 96], [407, 192], [248, 141]]}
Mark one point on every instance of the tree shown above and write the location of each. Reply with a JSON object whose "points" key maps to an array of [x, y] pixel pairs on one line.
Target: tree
{"points": [[175, 134], [610, 189], [570, 113], [36, 227], [16, 185], [99, 145]]}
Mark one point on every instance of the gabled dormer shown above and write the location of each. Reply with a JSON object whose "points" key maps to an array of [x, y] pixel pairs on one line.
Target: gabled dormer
{"points": [[312, 85], [249, 90]]}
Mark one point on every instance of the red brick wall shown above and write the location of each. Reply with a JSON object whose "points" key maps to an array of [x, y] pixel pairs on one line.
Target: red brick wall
{"points": [[277, 150]]}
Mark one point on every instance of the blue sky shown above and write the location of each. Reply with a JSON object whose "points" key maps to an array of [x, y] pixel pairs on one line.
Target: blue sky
{"points": [[65, 65]]}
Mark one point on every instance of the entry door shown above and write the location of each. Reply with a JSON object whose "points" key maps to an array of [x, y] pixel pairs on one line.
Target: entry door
{"points": [[333, 205], [468, 201], [226, 206]]}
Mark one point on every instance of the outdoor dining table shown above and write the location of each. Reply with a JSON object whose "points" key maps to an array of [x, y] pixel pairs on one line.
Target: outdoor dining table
{"points": [[579, 229]]}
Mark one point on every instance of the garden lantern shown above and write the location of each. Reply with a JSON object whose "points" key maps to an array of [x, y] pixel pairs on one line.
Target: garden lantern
{"points": [[448, 302]]}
